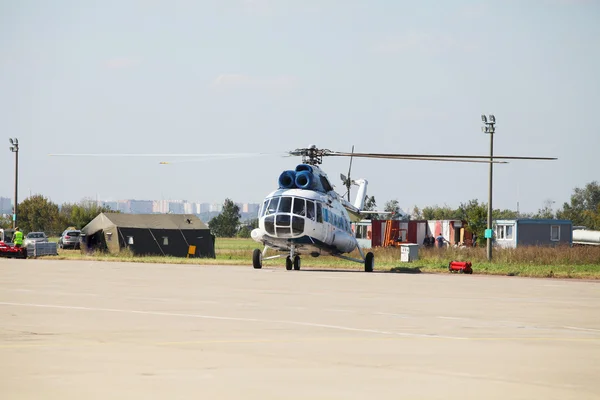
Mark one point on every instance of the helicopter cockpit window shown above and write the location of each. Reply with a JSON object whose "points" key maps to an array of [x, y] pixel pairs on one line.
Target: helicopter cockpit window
{"points": [[263, 209], [285, 205], [319, 212], [310, 209], [272, 207], [299, 207]]}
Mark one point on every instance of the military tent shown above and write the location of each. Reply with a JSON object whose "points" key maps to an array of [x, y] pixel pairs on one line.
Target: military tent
{"points": [[149, 234]]}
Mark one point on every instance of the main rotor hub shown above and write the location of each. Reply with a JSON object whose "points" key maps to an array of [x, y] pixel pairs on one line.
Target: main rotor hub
{"points": [[311, 155]]}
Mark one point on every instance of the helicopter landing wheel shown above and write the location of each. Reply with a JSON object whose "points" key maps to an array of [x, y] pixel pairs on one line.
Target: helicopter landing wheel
{"points": [[288, 263], [369, 262], [257, 259], [297, 263]]}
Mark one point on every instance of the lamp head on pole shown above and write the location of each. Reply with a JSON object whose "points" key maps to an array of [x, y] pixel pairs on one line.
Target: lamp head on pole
{"points": [[14, 145]]}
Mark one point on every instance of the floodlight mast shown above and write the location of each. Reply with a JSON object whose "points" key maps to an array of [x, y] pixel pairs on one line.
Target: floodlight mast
{"points": [[490, 129], [15, 149]]}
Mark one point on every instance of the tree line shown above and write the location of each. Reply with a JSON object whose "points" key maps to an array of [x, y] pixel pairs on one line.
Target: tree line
{"points": [[38, 214]]}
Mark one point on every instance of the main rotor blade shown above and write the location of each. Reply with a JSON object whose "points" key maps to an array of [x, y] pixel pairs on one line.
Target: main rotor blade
{"points": [[430, 156], [162, 155], [398, 157]]}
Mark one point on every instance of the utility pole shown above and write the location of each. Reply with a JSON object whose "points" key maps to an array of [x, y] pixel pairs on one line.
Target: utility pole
{"points": [[490, 129], [14, 147]]}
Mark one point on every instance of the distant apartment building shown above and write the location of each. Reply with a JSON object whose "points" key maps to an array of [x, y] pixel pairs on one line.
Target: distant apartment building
{"points": [[216, 207], [160, 206], [140, 206], [204, 208], [177, 207], [250, 208], [189, 208], [5, 205]]}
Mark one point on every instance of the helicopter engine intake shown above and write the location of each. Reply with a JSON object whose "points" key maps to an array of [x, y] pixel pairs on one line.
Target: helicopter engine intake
{"points": [[287, 180], [304, 180]]}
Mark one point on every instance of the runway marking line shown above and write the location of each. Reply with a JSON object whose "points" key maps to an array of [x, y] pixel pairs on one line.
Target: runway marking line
{"points": [[271, 341], [241, 319]]}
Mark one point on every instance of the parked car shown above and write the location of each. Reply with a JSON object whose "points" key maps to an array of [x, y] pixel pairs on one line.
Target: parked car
{"points": [[33, 237], [69, 238]]}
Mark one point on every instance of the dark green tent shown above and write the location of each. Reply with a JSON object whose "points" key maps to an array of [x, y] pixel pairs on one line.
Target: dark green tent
{"points": [[149, 234]]}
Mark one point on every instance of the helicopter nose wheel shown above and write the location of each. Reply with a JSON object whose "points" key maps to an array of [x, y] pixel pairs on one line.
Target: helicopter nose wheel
{"points": [[292, 262], [257, 259]]}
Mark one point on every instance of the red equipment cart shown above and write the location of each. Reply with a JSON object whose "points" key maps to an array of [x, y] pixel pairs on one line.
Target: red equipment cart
{"points": [[462, 267]]}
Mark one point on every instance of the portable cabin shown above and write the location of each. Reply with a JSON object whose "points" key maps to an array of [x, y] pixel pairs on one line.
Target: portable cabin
{"points": [[512, 233]]}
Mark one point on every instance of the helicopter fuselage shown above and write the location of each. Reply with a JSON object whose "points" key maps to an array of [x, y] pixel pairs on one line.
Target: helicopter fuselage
{"points": [[308, 221]]}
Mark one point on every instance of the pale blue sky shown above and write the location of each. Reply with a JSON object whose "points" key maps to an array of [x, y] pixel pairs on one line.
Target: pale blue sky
{"points": [[274, 75]]}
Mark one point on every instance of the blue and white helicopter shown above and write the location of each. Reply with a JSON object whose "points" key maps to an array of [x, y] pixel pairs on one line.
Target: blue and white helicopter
{"points": [[305, 216]]}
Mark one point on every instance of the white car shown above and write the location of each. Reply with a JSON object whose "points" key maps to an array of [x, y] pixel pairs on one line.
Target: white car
{"points": [[33, 237]]}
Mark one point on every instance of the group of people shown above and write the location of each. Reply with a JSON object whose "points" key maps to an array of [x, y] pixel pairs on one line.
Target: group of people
{"points": [[439, 241]]}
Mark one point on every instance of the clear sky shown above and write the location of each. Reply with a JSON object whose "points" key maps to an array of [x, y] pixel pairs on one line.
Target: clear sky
{"points": [[228, 76]]}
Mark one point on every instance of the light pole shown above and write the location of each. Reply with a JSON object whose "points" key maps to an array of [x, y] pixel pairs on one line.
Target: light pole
{"points": [[489, 128], [14, 147]]}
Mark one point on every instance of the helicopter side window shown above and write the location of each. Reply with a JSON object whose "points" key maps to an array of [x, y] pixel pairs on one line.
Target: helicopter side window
{"points": [[263, 208], [272, 208], [319, 213], [299, 207], [285, 205], [310, 209]]}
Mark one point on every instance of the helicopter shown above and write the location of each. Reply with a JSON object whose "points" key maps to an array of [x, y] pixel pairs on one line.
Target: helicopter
{"points": [[306, 216]]}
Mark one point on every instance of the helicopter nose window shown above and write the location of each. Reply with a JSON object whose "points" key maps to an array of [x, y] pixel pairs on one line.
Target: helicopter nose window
{"points": [[310, 209], [272, 208], [263, 209], [285, 205], [299, 206], [270, 225]]}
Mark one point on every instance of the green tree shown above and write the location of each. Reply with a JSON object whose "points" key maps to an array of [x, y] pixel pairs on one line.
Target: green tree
{"points": [[416, 213], [37, 213], [246, 228], [79, 215], [546, 211], [370, 205], [5, 222], [226, 223], [393, 207], [475, 215], [584, 208], [435, 213]]}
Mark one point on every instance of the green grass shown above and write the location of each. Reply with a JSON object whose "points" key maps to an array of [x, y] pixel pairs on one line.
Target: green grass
{"points": [[561, 262]]}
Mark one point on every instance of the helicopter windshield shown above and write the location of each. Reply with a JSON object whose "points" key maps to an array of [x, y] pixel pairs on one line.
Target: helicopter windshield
{"points": [[285, 205], [294, 205]]}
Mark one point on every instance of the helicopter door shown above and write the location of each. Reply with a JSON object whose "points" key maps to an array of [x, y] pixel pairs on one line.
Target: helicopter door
{"points": [[327, 228]]}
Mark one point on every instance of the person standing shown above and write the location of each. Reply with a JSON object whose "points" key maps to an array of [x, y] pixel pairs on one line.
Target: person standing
{"points": [[18, 237], [440, 240]]}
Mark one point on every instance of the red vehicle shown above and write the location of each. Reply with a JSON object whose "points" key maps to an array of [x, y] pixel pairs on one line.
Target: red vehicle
{"points": [[10, 251]]}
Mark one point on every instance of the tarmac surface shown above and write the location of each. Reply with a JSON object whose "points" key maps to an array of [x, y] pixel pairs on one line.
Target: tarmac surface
{"points": [[100, 330]]}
